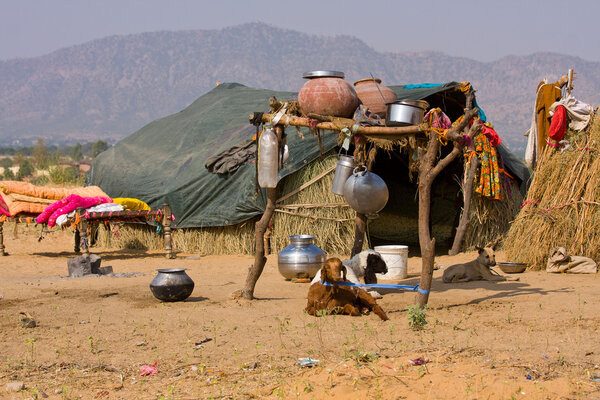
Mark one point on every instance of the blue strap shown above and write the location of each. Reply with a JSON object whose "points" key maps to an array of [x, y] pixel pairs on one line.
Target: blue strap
{"points": [[381, 286]]}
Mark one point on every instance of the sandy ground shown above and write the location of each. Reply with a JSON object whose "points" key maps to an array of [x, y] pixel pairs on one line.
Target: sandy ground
{"points": [[533, 339]]}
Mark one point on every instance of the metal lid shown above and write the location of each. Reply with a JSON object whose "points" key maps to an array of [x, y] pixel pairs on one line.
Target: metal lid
{"points": [[414, 103], [323, 74], [301, 238], [376, 80], [171, 270]]}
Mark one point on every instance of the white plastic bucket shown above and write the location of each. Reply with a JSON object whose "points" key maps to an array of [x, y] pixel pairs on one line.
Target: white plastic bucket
{"points": [[396, 258]]}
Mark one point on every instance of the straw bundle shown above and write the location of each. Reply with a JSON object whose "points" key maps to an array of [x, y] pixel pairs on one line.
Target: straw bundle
{"points": [[314, 211], [236, 239], [562, 207], [490, 219]]}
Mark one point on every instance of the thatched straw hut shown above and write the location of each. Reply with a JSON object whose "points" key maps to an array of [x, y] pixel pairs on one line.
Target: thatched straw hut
{"points": [[216, 214], [562, 206]]}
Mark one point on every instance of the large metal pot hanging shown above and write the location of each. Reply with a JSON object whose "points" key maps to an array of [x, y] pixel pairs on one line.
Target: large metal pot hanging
{"points": [[366, 192], [406, 112]]}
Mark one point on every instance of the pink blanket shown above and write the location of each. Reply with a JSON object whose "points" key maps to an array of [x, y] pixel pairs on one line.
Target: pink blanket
{"points": [[66, 205]]}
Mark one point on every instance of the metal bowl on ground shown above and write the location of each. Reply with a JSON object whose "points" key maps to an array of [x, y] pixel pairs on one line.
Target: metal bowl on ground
{"points": [[512, 268], [172, 284]]}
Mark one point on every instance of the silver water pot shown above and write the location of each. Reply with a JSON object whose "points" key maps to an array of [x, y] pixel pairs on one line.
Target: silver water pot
{"points": [[343, 170], [301, 259], [366, 192]]}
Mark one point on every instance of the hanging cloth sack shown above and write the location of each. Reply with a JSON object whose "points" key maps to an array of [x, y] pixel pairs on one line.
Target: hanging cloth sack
{"points": [[560, 261]]}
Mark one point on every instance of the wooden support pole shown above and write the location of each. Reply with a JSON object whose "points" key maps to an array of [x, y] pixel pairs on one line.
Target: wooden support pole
{"points": [[83, 230], [468, 184], [359, 233], [429, 169], [167, 235], [348, 123], [259, 241], [77, 240], [2, 252]]}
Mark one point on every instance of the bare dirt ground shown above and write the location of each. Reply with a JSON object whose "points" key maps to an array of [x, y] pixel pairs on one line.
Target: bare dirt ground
{"points": [[532, 339]]}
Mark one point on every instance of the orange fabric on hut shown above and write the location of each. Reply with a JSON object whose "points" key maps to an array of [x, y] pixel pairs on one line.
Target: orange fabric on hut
{"points": [[547, 93], [488, 184]]}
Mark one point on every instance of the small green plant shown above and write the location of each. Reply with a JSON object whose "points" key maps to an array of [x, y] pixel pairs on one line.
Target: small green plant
{"points": [[283, 328], [93, 347], [307, 387], [465, 317], [509, 318], [579, 315], [279, 392], [417, 317], [468, 388], [31, 345]]}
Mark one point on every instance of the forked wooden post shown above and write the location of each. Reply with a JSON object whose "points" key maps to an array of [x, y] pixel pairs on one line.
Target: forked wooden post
{"points": [[168, 235], [467, 194], [260, 228], [429, 169], [259, 242]]}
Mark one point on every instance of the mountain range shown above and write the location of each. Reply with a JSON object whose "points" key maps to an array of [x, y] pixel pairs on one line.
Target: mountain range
{"points": [[110, 87]]}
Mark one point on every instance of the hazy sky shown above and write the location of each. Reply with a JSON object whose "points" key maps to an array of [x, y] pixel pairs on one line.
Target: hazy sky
{"points": [[484, 30]]}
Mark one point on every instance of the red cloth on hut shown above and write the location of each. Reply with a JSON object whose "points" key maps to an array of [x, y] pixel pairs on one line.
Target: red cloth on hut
{"points": [[492, 135], [558, 126]]}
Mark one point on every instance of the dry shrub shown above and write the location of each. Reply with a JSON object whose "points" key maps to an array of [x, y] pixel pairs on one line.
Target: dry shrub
{"points": [[334, 236], [561, 208]]}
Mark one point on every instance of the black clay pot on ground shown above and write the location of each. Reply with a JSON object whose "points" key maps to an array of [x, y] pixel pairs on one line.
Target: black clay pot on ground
{"points": [[172, 284]]}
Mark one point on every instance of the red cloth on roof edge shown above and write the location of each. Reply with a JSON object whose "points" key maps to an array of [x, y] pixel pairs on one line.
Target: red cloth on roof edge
{"points": [[492, 135], [558, 126]]}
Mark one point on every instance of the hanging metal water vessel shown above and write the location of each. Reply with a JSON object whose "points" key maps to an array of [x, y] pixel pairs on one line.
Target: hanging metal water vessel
{"points": [[366, 192], [343, 170]]}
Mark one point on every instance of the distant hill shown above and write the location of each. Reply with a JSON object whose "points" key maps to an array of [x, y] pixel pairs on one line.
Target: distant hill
{"points": [[110, 87]]}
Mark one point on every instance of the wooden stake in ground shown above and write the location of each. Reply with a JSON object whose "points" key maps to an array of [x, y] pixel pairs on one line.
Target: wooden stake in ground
{"points": [[259, 257], [168, 239], [359, 233], [429, 169], [259, 237], [2, 252], [468, 184]]}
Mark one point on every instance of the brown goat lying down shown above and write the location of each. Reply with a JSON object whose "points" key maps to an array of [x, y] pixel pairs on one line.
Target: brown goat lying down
{"points": [[338, 299]]}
